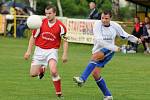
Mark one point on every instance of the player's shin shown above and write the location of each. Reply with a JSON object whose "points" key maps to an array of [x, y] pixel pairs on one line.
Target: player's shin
{"points": [[57, 85], [102, 85], [41, 72], [90, 67]]}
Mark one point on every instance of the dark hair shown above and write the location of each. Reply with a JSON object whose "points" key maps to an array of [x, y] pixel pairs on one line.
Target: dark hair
{"points": [[107, 12], [93, 2], [51, 7]]}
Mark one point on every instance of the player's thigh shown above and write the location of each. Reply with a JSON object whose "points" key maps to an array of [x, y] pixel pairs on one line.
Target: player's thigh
{"points": [[34, 70], [96, 72], [53, 66], [98, 56]]}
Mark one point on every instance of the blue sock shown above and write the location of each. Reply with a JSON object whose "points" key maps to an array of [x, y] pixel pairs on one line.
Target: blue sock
{"points": [[90, 67], [102, 85]]}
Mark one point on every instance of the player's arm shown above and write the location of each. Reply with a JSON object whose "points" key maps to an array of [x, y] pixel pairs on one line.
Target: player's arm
{"points": [[35, 34], [65, 43], [65, 51], [29, 49], [134, 39], [125, 35]]}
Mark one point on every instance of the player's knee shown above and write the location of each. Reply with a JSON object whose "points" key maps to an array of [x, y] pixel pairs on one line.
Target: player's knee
{"points": [[54, 73], [97, 57], [96, 73]]}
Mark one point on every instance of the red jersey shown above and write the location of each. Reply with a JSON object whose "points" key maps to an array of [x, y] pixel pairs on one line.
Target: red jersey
{"points": [[47, 36], [137, 27]]}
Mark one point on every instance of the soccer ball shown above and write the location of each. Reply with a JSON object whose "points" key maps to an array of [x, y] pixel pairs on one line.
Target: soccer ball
{"points": [[34, 22]]}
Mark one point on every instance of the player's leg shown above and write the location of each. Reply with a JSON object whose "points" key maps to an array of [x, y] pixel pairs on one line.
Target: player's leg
{"points": [[96, 74], [41, 72], [92, 64], [90, 67], [143, 43], [55, 77], [38, 64], [38, 67], [147, 45], [101, 83], [37, 70]]}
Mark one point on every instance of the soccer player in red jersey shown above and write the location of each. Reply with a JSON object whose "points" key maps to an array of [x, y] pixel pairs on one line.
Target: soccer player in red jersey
{"points": [[47, 41]]}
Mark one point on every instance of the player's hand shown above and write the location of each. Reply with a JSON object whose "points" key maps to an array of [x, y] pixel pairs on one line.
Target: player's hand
{"points": [[118, 49], [26, 56], [64, 58], [142, 38], [139, 41]]}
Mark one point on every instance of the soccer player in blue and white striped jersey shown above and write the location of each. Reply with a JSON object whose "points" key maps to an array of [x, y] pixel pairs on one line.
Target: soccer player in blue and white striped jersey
{"points": [[105, 32]]}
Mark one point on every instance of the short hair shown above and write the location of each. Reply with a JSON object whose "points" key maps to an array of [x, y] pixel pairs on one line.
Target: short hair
{"points": [[51, 7], [107, 12], [93, 2]]}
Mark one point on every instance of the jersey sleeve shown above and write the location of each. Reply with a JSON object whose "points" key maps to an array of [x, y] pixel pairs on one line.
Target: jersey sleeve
{"points": [[35, 32], [120, 31], [63, 31], [123, 34], [96, 30]]}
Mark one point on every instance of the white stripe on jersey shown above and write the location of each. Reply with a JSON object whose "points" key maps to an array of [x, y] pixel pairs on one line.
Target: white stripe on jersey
{"points": [[37, 33], [62, 30]]}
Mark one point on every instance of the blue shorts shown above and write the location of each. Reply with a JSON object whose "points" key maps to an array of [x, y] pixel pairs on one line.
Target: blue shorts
{"points": [[108, 55]]}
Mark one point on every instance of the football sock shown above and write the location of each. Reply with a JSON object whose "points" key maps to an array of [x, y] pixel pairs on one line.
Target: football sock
{"points": [[90, 67], [57, 85], [102, 85]]}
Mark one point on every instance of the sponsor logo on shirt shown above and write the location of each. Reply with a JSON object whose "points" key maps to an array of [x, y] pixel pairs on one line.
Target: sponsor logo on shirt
{"points": [[48, 36]]}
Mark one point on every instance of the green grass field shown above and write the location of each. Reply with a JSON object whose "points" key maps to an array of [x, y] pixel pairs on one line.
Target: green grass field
{"points": [[127, 75]]}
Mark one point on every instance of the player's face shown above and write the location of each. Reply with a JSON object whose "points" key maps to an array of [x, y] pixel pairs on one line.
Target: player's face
{"points": [[136, 20], [147, 20], [92, 5], [50, 14], [105, 19]]}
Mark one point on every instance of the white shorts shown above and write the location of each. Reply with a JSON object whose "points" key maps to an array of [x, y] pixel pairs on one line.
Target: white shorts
{"points": [[42, 56]]}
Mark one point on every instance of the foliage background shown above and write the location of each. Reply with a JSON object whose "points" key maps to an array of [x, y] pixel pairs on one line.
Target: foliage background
{"points": [[80, 9]]}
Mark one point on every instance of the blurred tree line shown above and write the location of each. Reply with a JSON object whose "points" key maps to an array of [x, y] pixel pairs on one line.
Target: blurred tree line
{"points": [[80, 8], [74, 8]]}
